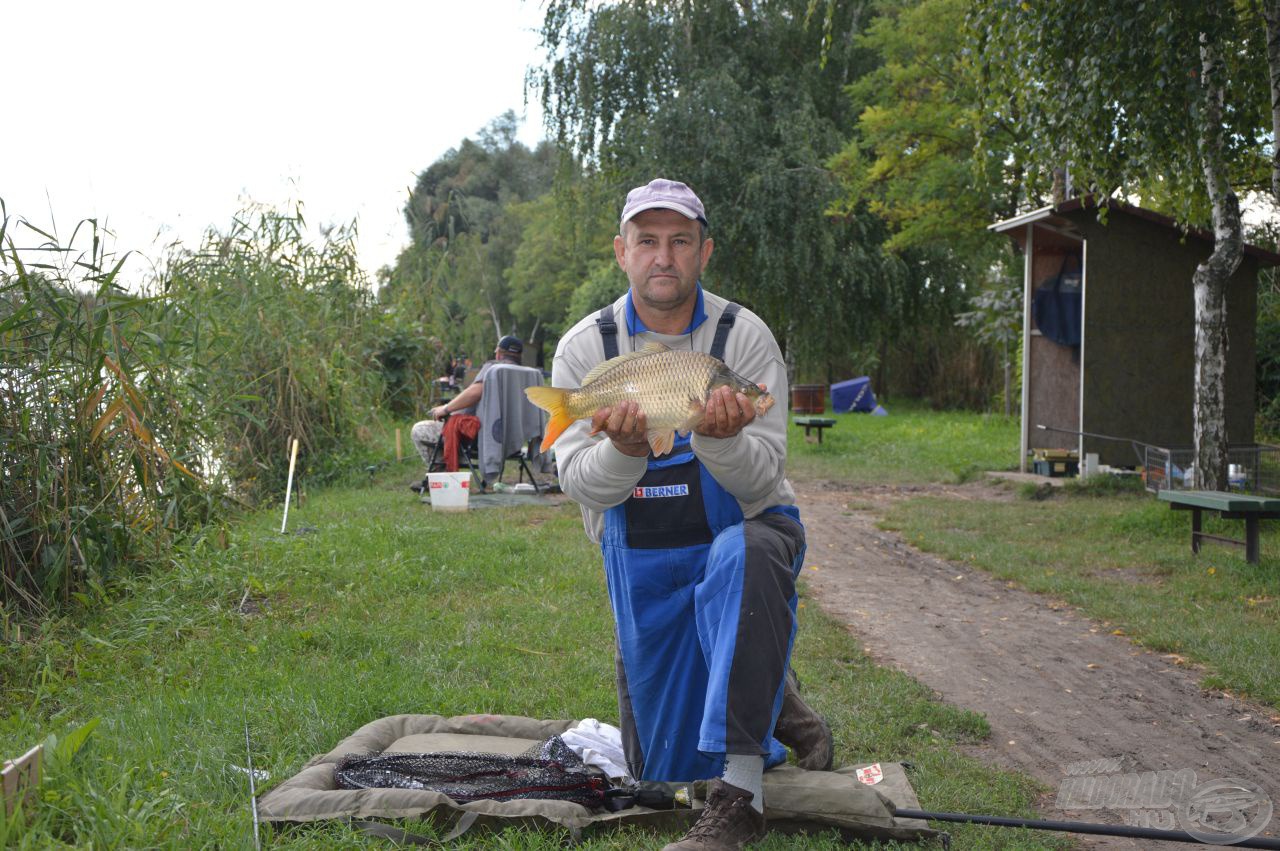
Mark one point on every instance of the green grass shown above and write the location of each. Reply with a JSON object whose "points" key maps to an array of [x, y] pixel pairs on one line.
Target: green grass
{"points": [[1125, 559], [912, 445], [374, 605]]}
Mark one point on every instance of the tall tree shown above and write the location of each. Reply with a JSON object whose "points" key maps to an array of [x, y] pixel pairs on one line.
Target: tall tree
{"points": [[912, 157], [915, 159], [452, 279], [559, 243], [466, 189], [1271, 13], [1161, 97], [745, 102]]}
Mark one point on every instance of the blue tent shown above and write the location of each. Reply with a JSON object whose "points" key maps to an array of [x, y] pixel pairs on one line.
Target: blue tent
{"points": [[853, 395]]}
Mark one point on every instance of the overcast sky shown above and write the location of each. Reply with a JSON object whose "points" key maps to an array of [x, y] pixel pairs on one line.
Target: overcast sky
{"points": [[160, 117]]}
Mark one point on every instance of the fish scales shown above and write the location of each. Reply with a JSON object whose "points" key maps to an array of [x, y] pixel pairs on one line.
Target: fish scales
{"points": [[664, 385]]}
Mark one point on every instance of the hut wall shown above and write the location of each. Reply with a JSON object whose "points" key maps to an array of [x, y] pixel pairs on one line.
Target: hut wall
{"points": [[1139, 337]]}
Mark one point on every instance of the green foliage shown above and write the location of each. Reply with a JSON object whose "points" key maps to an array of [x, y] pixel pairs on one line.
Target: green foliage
{"points": [[995, 318], [100, 457], [559, 253], [914, 159], [60, 752], [744, 102], [604, 283], [466, 190], [410, 360], [1114, 89], [128, 421], [286, 326], [463, 282], [943, 365], [911, 157]]}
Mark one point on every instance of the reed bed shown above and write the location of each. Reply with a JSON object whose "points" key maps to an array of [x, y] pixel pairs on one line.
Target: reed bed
{"points": [[133, 417]]}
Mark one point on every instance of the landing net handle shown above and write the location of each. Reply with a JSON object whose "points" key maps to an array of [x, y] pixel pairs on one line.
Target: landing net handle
{"points": [[1124, 830]]}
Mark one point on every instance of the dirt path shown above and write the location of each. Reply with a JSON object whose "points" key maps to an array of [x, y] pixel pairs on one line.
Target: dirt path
{"points": [[1056, 687]]}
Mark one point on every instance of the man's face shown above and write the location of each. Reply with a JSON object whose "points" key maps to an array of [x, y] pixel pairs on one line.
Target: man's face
{"points": [[660, 252]]}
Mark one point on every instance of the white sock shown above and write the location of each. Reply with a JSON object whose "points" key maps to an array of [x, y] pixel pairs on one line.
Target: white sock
{"points": [[746, 771]]}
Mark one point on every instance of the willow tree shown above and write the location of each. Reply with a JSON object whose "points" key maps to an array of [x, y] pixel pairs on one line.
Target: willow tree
{"points": [[745, 102], [1163, 99]]}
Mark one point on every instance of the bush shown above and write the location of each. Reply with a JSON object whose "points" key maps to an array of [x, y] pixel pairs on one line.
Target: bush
{"points": [[289, 336], [128, 420], [100, 456]]}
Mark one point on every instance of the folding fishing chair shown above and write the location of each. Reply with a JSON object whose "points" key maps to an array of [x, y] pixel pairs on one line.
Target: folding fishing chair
{"points": [[511, 427], [522, 456]]}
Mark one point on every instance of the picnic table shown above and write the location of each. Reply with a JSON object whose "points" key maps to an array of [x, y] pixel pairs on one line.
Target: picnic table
{"points": [[819, 423], [1230, 506]]}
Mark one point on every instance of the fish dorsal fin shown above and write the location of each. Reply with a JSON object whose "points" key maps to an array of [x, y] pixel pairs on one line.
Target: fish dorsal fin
{"points": [[643, 352]]}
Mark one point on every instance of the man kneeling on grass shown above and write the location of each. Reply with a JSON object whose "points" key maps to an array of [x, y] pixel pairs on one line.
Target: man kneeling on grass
{"points": [[701, 545]]}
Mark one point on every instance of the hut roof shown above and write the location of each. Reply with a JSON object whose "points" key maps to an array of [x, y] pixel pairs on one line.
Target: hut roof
{"points": [[1060, 215]]}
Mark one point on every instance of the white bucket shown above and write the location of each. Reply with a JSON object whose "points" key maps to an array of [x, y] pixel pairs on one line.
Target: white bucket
{"points": [[449, 491]]}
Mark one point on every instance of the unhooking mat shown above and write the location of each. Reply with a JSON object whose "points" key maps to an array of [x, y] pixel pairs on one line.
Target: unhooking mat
{"points": [[855, 800]]}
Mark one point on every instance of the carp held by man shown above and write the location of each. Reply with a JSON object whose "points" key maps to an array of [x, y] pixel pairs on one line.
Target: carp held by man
{"points": [[671, 387]]}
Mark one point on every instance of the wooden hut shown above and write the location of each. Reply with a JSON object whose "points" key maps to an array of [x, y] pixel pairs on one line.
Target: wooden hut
{"points": [[1131, 374]]}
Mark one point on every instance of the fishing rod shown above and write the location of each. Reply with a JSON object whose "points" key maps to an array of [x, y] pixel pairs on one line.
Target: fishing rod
{"points": [[1135, 444], [1122, 830], [253, 789]]}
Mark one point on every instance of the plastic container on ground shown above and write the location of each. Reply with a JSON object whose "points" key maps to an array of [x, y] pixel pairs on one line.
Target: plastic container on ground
{"points": [[449, 491]]}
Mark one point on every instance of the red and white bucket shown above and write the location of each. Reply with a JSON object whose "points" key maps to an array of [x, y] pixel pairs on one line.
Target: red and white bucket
{"points": [[449, 491]]}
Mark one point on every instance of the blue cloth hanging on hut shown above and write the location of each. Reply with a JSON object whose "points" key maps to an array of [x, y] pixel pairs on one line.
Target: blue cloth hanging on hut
{"points": [[1057, 305]]}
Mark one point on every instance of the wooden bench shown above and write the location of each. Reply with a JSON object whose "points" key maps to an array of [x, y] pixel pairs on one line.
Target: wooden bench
{"points": [[1231, 506], [819, 423]]}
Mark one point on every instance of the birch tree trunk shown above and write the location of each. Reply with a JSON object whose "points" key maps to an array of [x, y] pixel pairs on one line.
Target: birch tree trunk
{"points": [[1210, 282], [1271, 12]]}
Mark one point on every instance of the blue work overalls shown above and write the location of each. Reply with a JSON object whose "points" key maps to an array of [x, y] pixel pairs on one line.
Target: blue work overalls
{"points": [[703, 642]]}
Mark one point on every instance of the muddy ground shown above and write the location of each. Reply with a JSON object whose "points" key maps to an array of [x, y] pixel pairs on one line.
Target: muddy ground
{"points": [[1057, 688]]}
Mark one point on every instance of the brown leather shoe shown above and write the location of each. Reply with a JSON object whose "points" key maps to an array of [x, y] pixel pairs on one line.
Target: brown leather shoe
{"points": [[728, 822], [803, 730]]}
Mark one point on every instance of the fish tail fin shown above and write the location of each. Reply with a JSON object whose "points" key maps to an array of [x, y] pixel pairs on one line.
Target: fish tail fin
{"points": [[555, 401]]}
